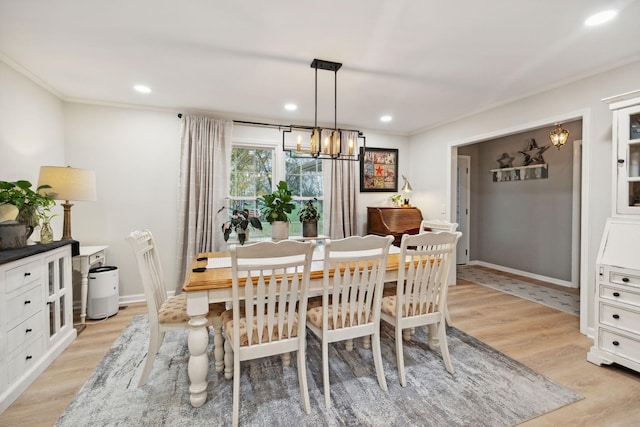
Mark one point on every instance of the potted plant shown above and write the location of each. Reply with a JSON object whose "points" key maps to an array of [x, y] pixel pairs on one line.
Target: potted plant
{"points": [[29, 202], [239, 222], [396, 199], [276, 209], [309, 217]]}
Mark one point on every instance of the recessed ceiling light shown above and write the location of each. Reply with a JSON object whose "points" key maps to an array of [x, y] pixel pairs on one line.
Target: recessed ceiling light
{"points": [[385, 119], [142, 89], [600, 18], [290, 107]]}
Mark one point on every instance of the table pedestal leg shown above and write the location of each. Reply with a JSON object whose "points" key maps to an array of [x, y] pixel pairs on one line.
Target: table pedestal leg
{"points": [[198, 361], [84, 292]]}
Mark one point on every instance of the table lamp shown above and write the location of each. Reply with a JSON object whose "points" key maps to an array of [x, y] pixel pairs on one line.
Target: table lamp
{"points": [[67, 184], [406, 191]]}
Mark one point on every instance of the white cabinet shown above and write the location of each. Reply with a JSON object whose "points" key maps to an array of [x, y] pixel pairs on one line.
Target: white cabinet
{"points": [[617, 310], [626, 146], [36, 317]]}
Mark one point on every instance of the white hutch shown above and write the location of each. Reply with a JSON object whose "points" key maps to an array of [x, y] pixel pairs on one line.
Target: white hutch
{"points": [[36, 313], [617, 310]]}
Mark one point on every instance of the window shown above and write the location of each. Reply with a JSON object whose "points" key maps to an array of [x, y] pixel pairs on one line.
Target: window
{"points": [[254, 172]]}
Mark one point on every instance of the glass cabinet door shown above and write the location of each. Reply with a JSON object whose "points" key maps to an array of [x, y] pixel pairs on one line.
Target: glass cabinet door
{"points": [[58, 276], [628, 185]]}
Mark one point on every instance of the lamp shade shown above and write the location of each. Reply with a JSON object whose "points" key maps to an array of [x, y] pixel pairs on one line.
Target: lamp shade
{"points": [[68, 183]]}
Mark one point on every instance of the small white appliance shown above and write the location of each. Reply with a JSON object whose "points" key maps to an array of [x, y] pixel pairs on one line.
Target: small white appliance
{"points": [[104, 291]]}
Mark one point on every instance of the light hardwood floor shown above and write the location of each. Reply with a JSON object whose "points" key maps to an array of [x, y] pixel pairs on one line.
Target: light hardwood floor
{"points": [[542, 338]]}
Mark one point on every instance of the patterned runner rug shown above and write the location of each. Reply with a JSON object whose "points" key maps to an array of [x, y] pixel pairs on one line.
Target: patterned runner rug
{"points": [[553, 298], [487, 389]]}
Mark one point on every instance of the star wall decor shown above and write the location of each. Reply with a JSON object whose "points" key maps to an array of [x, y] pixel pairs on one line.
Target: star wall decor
{"points": [[505, 161], [532, 153]]}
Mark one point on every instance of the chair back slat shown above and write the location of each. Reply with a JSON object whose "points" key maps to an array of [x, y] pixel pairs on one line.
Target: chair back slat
{"points": [[422, 284], [353, 277], [150, 270], [272, 277]]}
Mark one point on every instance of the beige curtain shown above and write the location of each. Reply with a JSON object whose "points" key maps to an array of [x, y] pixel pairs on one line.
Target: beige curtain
{"points": [[205, 158], [343, 195]]}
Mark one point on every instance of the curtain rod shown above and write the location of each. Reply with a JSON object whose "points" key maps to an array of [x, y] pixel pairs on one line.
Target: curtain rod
{"points": [[279, 126]]}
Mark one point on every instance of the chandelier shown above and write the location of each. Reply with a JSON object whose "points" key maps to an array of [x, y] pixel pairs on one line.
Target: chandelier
{"points": [[559, 136], [323, 143]]}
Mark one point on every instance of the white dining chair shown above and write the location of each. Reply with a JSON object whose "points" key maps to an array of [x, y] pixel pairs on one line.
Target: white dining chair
{"points": [[165, 313], [421, 295], [353, 276], [272, 279]]}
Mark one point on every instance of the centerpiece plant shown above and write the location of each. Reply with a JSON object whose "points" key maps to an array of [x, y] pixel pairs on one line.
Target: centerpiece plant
{"points": [[32, 205], [239, 222], [276, 209], [309, 217]]}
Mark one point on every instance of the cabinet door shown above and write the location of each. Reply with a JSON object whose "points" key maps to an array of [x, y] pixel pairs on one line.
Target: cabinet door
{"points": [[628, 169], [59, 293]]}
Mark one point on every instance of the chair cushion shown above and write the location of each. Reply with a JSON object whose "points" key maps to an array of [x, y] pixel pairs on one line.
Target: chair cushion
{"points": [[244, 338], [389, 303], [314, 316], [174, 310]]}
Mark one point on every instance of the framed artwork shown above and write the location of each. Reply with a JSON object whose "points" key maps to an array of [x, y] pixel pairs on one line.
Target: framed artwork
{"points": [[379, 169]]}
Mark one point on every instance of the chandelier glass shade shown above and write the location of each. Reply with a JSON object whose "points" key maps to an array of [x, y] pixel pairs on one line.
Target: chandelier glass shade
{"points": [[559, 136]]}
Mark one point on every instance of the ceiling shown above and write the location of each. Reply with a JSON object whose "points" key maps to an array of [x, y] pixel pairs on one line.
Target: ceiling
{"points": [[422, 62]]}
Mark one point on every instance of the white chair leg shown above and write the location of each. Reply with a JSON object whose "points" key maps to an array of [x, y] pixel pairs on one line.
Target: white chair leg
{"points": [[400, 356], [377, 359], [366, 342], [325, 373], [228, 359], [155, 340], [218, 346], [349, 345], [444, 347], [406, 334], [302, 378], [446, 316], [236, 389], [286, 359], [434, 342]]}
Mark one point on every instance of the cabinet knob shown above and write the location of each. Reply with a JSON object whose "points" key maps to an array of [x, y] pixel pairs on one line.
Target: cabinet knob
{"points": [[615, 343], [27, 274], [28, 330], [616, 294], [625, 279], [29, 357], [616, 316], [621, 161], [27, 302]]}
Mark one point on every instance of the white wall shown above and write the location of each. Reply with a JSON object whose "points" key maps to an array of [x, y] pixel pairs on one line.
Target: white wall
{"points": [[430, 150], [136, 155], [31, 131]]}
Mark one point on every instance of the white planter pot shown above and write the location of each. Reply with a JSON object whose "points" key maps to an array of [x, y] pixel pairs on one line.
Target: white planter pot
{"points": [[280, 230]]}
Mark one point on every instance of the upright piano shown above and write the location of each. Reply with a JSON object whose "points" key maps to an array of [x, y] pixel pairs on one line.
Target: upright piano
{"points": [[393, 221]]}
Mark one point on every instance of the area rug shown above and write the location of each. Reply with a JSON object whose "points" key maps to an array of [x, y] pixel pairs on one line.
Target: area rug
{"points": [[487, 388], [563, 301]]}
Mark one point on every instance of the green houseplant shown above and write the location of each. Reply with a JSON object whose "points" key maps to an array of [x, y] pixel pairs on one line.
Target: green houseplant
{"points": [[276, 209], [239, 222], [30, 203], [309, 217]]}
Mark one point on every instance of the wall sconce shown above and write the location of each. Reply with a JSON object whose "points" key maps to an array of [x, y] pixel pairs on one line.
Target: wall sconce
{"points": [[406, 192], [68, 183], [559, 136]]}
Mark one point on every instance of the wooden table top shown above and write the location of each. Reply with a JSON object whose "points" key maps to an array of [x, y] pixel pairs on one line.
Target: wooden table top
{"points": [[217, 278]]}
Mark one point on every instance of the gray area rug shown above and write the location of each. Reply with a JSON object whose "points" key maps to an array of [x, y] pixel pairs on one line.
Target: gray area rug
{"points": [[563, 301], [487, 389]]}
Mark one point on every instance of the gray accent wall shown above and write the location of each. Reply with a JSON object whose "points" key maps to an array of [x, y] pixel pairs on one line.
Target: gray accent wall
{"points": [[523, 225]]}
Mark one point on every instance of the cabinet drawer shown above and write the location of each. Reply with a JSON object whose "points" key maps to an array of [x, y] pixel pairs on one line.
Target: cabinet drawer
{"points": [[25, 359], [620, 294], [24, 333], [624, 279], [619, 344], [619, 317], [97, 257], [23, 275], [23, 306]]}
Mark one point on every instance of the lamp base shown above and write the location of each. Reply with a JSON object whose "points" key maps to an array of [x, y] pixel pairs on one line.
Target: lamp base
{"points": [[66, 226], [405, 205]]}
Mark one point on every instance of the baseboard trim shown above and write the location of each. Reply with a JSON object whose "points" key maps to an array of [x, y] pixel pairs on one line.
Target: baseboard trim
{"points": [[530, 275]]}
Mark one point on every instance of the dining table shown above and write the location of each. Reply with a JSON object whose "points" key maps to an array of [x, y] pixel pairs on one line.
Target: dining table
{"points": [[209, 280]]}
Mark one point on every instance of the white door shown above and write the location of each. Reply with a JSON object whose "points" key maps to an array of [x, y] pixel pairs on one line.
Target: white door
{"points": [[462, 208]]}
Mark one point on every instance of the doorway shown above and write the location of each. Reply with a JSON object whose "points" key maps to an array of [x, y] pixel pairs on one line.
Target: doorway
{"points": [[462, 208]]}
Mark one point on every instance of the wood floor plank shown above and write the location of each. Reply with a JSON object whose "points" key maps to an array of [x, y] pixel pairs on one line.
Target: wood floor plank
{"points": [[540, 337]]}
